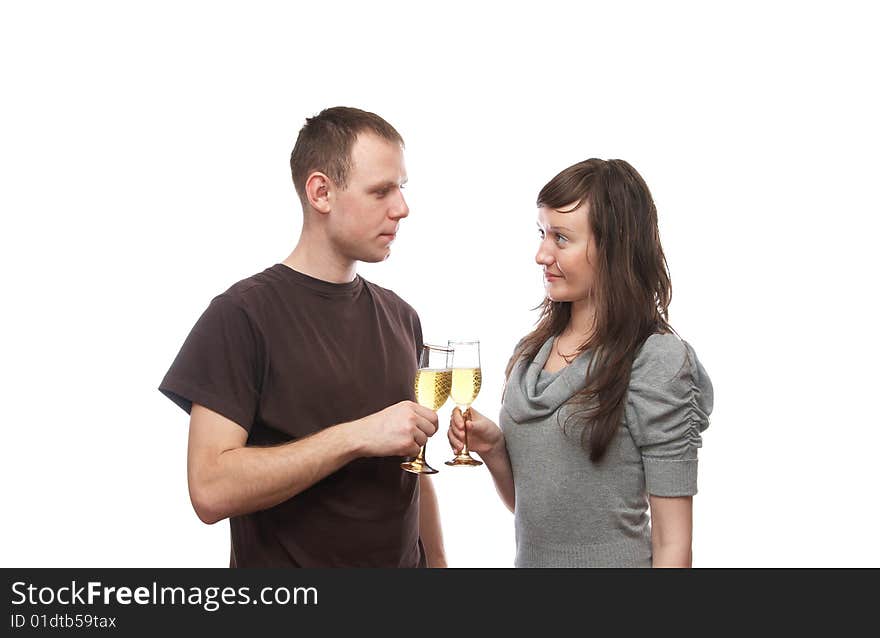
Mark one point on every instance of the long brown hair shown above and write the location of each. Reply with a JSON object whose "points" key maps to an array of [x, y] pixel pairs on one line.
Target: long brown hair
{"points": [[632, 289]]}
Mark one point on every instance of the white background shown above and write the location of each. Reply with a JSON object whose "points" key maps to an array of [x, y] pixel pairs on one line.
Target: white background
{"points": [[144, 161]]}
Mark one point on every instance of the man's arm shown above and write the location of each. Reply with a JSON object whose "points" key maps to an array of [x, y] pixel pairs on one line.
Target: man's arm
{"points": [[429, 523], [226, 478], [671, 530]]}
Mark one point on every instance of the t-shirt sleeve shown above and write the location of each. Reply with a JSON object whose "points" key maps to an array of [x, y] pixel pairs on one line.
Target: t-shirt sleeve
{"points": [[668, 406], [417, 334], [220, 364]]}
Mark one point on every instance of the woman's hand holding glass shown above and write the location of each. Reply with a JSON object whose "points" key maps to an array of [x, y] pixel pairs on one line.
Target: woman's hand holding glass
{"points": [[483, 435], [467, 379]]}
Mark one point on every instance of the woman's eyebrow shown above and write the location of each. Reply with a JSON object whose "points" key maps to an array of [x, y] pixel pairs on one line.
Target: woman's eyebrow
{"points": [[568, 230]]}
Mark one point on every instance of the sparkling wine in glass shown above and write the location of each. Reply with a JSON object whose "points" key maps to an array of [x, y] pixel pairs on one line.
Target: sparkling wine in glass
{"points": [[466, 381], [432, 383]]}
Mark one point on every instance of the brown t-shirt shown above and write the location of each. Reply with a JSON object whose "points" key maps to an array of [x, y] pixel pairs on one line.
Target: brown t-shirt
{"points": [[285, 355]]}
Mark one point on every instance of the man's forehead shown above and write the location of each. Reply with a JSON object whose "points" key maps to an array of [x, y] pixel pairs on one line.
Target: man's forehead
{"points": [[375, 158], [368, 144]]}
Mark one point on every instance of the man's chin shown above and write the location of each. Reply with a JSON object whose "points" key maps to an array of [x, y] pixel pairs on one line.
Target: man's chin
{"points": [[375, 258]]}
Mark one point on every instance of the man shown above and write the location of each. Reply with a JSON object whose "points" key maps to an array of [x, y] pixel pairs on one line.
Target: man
{"points": [[299, 379]]}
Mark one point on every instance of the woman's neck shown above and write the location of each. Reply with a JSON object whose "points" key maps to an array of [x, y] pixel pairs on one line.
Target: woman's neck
{"points": [[581, 323]]}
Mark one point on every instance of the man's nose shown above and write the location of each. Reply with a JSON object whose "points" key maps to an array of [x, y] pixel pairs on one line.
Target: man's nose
{"points": [[400, 209]]}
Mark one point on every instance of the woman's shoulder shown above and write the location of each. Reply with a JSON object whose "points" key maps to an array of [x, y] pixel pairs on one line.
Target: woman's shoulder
{"points": [[519, 349], [662, 352], [665, 358]]}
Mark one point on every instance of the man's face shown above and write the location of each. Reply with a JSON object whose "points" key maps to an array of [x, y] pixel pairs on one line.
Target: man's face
{"points": [[364, 217]]}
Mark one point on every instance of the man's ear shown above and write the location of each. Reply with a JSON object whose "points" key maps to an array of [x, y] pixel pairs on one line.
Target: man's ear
{"points": [[318, 188]]}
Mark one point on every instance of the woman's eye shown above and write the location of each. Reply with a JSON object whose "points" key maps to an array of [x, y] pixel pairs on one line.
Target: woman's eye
{"points": [[557, 238]]}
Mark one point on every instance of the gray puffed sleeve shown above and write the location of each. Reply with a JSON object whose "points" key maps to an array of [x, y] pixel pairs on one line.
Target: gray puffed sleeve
{"points": [[668, 406]]}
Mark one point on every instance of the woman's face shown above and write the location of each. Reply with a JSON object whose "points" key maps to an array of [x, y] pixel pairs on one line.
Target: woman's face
{"points": [[567, 253]]}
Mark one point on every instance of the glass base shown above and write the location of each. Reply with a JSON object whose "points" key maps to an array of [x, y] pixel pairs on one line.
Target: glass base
{"points": [[418, 466], [465, 460]]}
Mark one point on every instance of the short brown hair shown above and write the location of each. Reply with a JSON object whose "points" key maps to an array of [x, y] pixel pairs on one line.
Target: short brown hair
{"points": [[324, 144]]}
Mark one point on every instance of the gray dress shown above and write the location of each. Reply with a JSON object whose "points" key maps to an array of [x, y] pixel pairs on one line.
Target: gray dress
{"points": [[571, 512]]}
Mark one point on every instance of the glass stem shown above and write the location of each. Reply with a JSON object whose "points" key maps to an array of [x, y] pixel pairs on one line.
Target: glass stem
{"points": [[421, 457], [465, 415]]}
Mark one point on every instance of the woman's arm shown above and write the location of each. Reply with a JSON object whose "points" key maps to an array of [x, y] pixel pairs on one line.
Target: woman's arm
{"points": [[498, 464], [671, 530], [486, 439]]}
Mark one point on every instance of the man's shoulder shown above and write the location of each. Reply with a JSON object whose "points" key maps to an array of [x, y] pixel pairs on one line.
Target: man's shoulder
{"points": [[250, 293], [389, 297], [255, 285]]}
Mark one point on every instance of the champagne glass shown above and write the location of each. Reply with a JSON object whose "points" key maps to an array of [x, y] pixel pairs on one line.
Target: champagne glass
{"points": [[432, 383], [466, 381]]}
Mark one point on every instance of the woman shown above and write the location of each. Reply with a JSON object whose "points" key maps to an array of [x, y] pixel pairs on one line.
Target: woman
{"points": [[604, 404]]}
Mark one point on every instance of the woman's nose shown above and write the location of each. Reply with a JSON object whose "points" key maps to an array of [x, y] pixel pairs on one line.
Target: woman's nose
{"points": [[543, 256]]}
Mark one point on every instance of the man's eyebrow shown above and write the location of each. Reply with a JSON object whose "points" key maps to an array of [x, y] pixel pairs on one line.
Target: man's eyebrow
{"points": [[386, 185]]}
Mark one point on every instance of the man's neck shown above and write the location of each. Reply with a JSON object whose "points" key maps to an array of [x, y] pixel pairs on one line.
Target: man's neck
{"points": [[316, 259]]}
